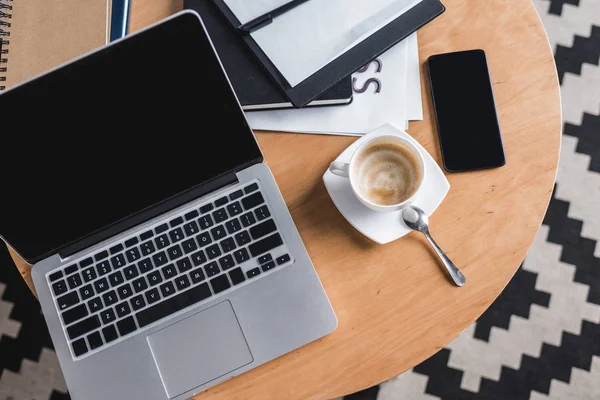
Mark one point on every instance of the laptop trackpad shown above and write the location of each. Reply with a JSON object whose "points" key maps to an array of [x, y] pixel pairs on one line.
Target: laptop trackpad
{"points": [[199, 349]]}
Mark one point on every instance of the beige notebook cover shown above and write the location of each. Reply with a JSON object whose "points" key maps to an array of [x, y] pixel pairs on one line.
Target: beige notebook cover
{"points": [[47, 33]]}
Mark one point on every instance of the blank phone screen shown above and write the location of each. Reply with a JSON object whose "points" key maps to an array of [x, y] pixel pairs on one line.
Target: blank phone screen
{"points": [[465, 110]]}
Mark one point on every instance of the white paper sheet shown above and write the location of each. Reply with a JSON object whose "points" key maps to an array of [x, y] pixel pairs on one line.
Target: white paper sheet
{"points": [[368, 110], [305, 39], [414, 110]]}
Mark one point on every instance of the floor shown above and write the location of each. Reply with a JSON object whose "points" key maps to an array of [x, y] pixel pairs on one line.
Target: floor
{"points": [[539, 340]]}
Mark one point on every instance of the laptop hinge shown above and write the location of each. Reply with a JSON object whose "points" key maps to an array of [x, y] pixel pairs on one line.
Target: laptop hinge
{"points": [[149, 213]]}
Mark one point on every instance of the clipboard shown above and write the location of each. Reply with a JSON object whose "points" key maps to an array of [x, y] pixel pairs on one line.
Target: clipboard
{"points": [[376, 44]]}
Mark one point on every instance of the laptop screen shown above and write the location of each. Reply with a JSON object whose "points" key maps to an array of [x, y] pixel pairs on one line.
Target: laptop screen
{"points": [[113, 133]]}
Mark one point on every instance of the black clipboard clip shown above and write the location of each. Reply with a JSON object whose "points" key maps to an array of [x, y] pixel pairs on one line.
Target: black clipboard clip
{"points": [[267, 18]]}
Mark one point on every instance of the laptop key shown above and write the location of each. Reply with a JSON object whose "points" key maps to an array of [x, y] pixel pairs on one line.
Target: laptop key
{"points": [[226, 262], [55, 276], [203, 239], [147, 235], [234, 209], [184, 265], [268, 266], [198, 258], [89, 274], [266, 244], [83, 327], [176, 222], [115, 249], [140, 284], [74, 281], [59, 287], [131, 241], [86, 292], [147, 248], [220, 215], [283, 259], [101, 285], [237, 276], [125, 291], [253, 272], [218, 232], [233, 226], [161, 228], [206, 208], [174, 252], [253, 200], [86, 262], [154, 278], [68, 300], [169, 271], [162, 241], [126, 326], [182, 282], [160, 259], [95, 305], [123, 309], [118, 261], [167, 289], [130, 272], [191, 215], [108, 316], [262, 229], [109, 333], [236, 195], [213, 251], [221, 201], [265, 258], [189, 245], [137, 302], [103, 268], [70, 269], [242, 238], [197, 275], [205, 222], [262, 213], [247, 219], [251, 188], [176, 235], [241, 255], [74, 314], [101, 256], [191, 228], [110, 298], [152, 296], [220, 283], [116, 278], [228, 245], [145, 265], [79, 347], [133, 254], [211, 269], [173, 304], [95, 340]]}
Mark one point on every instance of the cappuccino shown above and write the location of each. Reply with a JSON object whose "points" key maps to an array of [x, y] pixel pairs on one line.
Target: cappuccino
{"points": [[386, 173]]}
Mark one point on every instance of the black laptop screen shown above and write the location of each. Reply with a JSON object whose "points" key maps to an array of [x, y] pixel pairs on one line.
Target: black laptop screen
{"points": [[114, 133]]}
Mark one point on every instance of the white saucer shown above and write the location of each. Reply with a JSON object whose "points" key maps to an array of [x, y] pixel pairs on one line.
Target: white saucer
{"points": [[384, 227]]}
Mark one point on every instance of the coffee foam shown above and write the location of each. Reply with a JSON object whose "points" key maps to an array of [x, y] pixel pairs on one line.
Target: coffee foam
{"points": [[386, 173]]}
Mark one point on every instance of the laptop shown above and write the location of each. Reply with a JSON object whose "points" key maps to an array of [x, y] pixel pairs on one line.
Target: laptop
{"points": [[164, 256]]}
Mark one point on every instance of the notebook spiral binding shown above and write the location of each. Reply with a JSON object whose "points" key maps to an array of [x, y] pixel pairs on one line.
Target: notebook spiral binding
{"points": [[5, 16]]}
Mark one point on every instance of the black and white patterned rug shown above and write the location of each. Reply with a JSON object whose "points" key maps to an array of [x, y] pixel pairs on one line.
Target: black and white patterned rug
{"points": [[539, 340]]}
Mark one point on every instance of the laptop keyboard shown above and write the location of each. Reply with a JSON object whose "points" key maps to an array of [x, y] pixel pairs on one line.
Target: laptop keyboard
{"points": [[204, 251]]}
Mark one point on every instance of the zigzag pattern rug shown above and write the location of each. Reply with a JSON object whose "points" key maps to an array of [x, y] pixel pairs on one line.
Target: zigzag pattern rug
{"points": [[539, 340]]}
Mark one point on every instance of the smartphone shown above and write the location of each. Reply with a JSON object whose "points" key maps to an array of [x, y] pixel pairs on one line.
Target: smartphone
{"points": [[465, 111]]}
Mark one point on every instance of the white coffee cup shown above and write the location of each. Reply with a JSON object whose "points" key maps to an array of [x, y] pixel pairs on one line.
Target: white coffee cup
{"points": [[345, 170]]}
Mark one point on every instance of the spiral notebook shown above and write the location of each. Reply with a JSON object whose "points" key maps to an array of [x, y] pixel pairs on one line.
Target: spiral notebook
{"points": [[37, 35]]}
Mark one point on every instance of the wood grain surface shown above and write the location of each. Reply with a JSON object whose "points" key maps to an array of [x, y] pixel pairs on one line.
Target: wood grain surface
{"points": [[394, 303]]}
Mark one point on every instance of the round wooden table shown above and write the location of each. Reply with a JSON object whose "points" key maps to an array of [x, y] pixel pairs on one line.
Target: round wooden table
{"points": [[395, 305]]}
